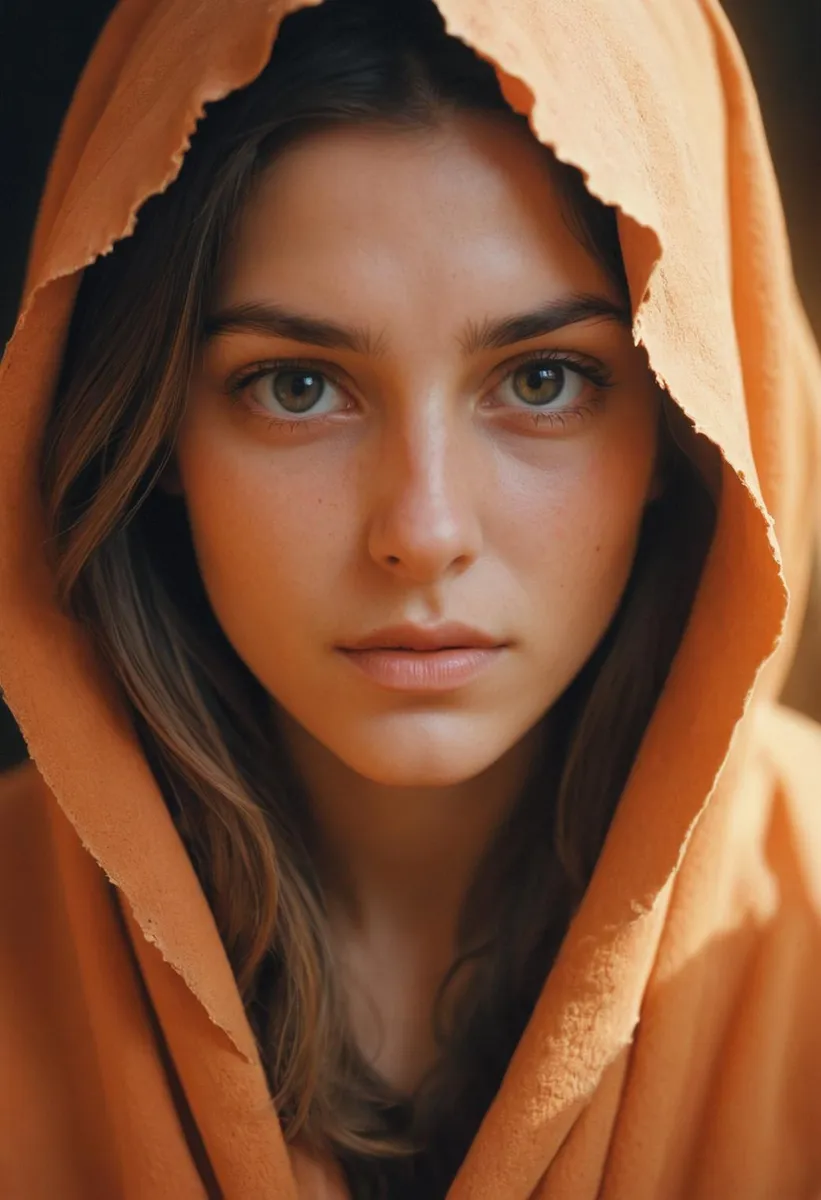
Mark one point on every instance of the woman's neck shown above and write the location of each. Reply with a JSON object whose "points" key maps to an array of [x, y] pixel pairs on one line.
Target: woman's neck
{"points": [[401, 858]]}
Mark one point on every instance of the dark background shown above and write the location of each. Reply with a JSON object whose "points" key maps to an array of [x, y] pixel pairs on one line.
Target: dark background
{"points": [[43, 47]]}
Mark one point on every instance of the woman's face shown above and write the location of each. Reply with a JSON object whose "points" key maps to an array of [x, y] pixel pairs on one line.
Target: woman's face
{"points": [[424, 465]]}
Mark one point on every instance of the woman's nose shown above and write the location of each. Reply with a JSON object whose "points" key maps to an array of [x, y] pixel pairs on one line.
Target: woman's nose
{"points": [[424, 500]]}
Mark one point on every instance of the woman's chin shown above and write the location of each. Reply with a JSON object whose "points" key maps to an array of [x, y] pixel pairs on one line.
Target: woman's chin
{"points": [[435, 751]]}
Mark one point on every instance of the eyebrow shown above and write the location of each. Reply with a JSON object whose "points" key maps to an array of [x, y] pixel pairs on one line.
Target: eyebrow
{"points": [[274, 320]]}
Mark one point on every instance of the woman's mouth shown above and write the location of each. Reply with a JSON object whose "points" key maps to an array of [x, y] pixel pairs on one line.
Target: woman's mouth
{"points": [[401, 669]]}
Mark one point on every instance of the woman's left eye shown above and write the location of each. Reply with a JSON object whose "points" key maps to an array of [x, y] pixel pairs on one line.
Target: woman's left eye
{"points": [[553, 388]]}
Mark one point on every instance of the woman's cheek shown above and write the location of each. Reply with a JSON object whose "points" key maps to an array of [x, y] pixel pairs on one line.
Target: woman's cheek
{"points": [[613, 497], [264, 549], [269, 572], [584, 545]]}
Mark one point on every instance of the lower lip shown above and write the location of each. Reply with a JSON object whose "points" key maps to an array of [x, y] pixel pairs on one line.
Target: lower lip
{"points": [[424, 670]]}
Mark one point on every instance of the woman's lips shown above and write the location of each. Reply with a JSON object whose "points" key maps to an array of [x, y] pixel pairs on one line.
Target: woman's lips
{"points": [[423, 670]]}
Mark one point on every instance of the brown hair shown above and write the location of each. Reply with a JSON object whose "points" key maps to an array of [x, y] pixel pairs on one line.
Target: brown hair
{"points": [[125, 568]]}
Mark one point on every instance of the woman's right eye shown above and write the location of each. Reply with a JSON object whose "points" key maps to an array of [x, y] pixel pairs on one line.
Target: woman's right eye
{"points": [[297, 390], [285, 392]]}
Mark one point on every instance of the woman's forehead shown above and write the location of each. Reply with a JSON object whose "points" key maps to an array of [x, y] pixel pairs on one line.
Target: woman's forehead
{"points": [[374, 216]]}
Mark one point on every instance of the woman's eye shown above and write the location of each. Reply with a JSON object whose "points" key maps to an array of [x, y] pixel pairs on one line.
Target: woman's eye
{"points": [[297, 390], [545, 384]]}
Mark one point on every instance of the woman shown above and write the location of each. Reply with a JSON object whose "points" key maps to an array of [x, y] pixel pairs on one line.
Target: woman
{"points": [[380, 554]]}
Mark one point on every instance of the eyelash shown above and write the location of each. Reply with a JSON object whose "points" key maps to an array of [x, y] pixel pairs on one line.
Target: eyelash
{"points": [[597, 374]]}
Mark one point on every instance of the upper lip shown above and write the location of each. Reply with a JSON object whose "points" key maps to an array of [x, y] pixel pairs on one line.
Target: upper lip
{"points": [[451, 634]]}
